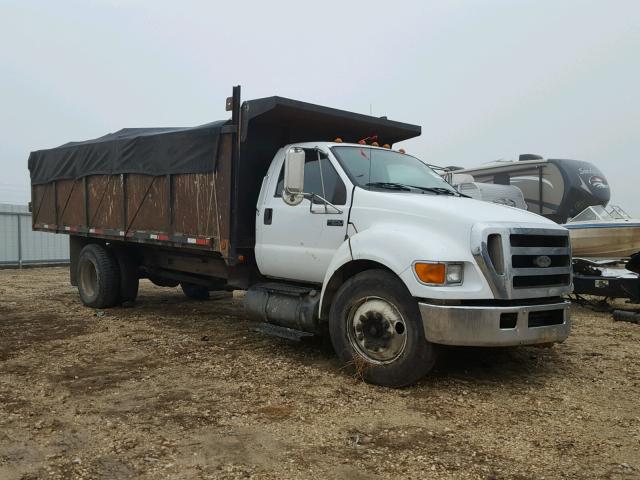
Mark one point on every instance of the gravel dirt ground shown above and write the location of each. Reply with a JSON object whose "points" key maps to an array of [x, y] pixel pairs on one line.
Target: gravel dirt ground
{"points": [[179, 389]]}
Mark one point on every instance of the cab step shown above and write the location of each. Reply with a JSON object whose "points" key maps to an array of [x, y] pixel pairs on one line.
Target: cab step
{"points": [[282, 332]]}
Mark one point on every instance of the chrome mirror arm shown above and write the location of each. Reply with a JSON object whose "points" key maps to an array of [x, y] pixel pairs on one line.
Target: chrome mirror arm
{"points": [[327, 203]]}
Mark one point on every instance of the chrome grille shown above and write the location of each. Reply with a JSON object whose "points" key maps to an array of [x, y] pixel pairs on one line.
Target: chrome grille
{"points": [[533, 262], [540, 260]]}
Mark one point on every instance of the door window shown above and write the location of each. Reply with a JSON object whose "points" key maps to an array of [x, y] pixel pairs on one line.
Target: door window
{"points": [[319, 172]]}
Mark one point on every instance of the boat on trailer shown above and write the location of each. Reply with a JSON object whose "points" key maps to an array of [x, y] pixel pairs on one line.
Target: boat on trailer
{"points": [[605, 240], [599, 232]]}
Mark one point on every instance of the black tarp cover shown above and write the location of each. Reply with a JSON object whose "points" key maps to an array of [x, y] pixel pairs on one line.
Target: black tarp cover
{"points": [[151, 151], [267, 124]]}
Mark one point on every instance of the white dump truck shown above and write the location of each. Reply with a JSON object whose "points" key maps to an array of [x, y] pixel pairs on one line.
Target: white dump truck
{"points": [[329, 229]]}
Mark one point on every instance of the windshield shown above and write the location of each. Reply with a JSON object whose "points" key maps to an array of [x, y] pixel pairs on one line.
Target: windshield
{"points": [[598, 212], [373, 168]]}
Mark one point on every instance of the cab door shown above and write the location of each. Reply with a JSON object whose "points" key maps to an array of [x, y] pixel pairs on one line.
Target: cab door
{"points": [[297, 242]]}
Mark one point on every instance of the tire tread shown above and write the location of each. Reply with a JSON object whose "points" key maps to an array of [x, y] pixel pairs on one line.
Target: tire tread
{"points": [[420, 355], [107, 273]]}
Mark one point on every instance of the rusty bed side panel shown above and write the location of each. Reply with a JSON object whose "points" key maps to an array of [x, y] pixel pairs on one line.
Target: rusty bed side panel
{"points": [[147, 203], [43, 205], [70, 202], [105, 201], [190, 204], [201, 201], [194, 203]]}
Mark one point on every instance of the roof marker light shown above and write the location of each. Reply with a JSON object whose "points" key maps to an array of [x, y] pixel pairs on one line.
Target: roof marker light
{"points": [[372, 138]]}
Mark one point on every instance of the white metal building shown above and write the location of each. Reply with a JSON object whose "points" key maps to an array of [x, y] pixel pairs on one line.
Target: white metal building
{"points": [[19, 245]]}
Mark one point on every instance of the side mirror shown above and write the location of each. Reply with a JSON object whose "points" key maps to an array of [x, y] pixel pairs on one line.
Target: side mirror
{"points": [[294, 176]]}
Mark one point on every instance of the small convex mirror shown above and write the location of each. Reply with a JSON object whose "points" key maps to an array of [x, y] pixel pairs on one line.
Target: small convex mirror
{"points": [[293, 176]]}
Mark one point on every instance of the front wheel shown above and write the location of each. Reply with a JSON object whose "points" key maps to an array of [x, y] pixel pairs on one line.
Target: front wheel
{"points": [[375, 328]]}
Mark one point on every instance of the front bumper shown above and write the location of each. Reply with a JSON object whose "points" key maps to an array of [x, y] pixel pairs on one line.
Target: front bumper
{"points": [[494, 326]]}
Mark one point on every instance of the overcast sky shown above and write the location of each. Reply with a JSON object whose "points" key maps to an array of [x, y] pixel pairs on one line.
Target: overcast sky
{"points": [[486, 79]]}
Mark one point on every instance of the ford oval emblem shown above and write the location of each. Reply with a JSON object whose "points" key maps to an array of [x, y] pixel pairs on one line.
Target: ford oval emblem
{"points": [[542, 261]]}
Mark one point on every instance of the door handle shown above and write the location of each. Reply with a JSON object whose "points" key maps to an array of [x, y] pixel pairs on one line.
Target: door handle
{"points": [[335, 223], [268, 216]]}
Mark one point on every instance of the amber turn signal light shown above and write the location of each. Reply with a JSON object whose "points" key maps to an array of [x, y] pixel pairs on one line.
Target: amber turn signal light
{"points": [[431, 272]]}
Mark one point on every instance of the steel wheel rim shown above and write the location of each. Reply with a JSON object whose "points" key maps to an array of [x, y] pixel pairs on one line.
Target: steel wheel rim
{"points": [[88, 278], [377, 330]]}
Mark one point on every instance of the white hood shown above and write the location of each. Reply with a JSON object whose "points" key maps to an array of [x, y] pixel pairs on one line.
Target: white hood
{"points": [[446, 208], [397, 229]]}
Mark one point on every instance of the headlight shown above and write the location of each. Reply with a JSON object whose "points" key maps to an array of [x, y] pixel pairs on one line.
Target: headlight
{"points": [[454, 273], [439, 273]]}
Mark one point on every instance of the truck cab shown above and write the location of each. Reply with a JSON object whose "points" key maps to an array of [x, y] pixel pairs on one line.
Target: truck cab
{"points": [[395, 252]]}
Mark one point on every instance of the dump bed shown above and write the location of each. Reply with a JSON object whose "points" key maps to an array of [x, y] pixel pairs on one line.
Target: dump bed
{"points": [[192, 188], [168, 186]]}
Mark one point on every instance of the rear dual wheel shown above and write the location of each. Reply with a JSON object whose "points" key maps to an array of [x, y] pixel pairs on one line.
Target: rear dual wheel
{"points": [[376, 329], [129, 277], [106, 277]]}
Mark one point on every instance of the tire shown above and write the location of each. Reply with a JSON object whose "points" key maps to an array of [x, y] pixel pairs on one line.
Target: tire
{"points": [[376, 329], [98, 277], [129, 278], [196, 292]]}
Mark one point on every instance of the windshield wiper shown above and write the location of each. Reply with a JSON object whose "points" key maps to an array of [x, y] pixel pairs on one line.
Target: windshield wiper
{"points": [[406, 188], [390, 186], [436, 190], [439, 191]]}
